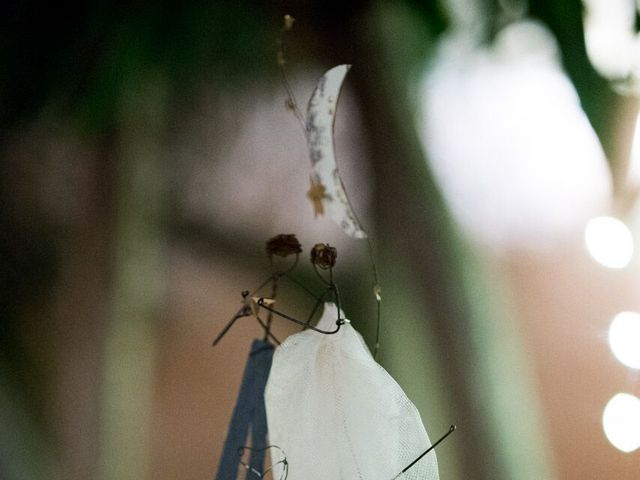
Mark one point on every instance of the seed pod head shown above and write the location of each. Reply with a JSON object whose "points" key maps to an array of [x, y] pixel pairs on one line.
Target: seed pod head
{"points": [[283, 245], [323, 255]]}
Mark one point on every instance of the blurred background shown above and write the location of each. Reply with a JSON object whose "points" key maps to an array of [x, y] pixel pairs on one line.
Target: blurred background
{"points": [[489, 147]]}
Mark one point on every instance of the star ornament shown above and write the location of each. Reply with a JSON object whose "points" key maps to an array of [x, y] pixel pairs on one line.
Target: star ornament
{"points": [[316, 194]]}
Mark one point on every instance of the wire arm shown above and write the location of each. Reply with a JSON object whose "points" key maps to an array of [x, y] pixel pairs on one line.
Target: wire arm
{"points": [[243, 312], [339, 322]]}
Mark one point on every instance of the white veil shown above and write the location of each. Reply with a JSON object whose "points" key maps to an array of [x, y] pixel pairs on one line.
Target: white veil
{"points": [[338, 415]]}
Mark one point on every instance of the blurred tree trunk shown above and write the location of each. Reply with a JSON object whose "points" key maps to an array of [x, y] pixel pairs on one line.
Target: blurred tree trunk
{"points": [[484, 393], [138, 283]]}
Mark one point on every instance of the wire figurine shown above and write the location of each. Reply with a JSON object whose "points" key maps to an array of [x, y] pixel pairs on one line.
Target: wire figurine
{"points": [[323, 258]]}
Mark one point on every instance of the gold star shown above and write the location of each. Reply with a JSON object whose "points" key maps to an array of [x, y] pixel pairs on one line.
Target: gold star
{"points": [[316, 195]]}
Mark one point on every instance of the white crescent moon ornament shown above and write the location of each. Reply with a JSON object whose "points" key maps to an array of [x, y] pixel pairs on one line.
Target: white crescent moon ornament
{"points": [[327, 190]]}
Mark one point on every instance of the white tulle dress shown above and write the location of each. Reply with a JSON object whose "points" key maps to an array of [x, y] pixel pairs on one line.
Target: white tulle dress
{"points": [[338, 415]]}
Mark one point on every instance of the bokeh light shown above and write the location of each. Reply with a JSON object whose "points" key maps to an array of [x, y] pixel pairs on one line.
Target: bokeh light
{"points": [[621, 422], [624, 338], [612, 41], [633, 171], [530, 168], [609, 242]]}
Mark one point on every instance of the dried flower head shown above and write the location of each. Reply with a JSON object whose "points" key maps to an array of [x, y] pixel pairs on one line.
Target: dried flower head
{"points": [[323, 255], [283, 245]]}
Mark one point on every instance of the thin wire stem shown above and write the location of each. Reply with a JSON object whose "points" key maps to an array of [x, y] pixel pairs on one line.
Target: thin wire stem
{"points": [[374, 271], [452, 429], [274, 292], [262, 285], [336, 294], [292, 104], [376, 347], [278, 273], [299, 284], [267, 331], [317, 305], [324, 280]]}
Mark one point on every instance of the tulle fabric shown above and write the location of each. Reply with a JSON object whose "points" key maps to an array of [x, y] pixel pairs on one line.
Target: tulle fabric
{"points": [[338, 415]]}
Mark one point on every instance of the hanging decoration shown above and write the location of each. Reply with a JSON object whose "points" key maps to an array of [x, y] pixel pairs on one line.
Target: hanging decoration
{"points": [[324, 386], [326, 185]]}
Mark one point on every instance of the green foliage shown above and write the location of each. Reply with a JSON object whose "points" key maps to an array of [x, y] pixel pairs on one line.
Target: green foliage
{"points": [[82, 58], [598, 100]]}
